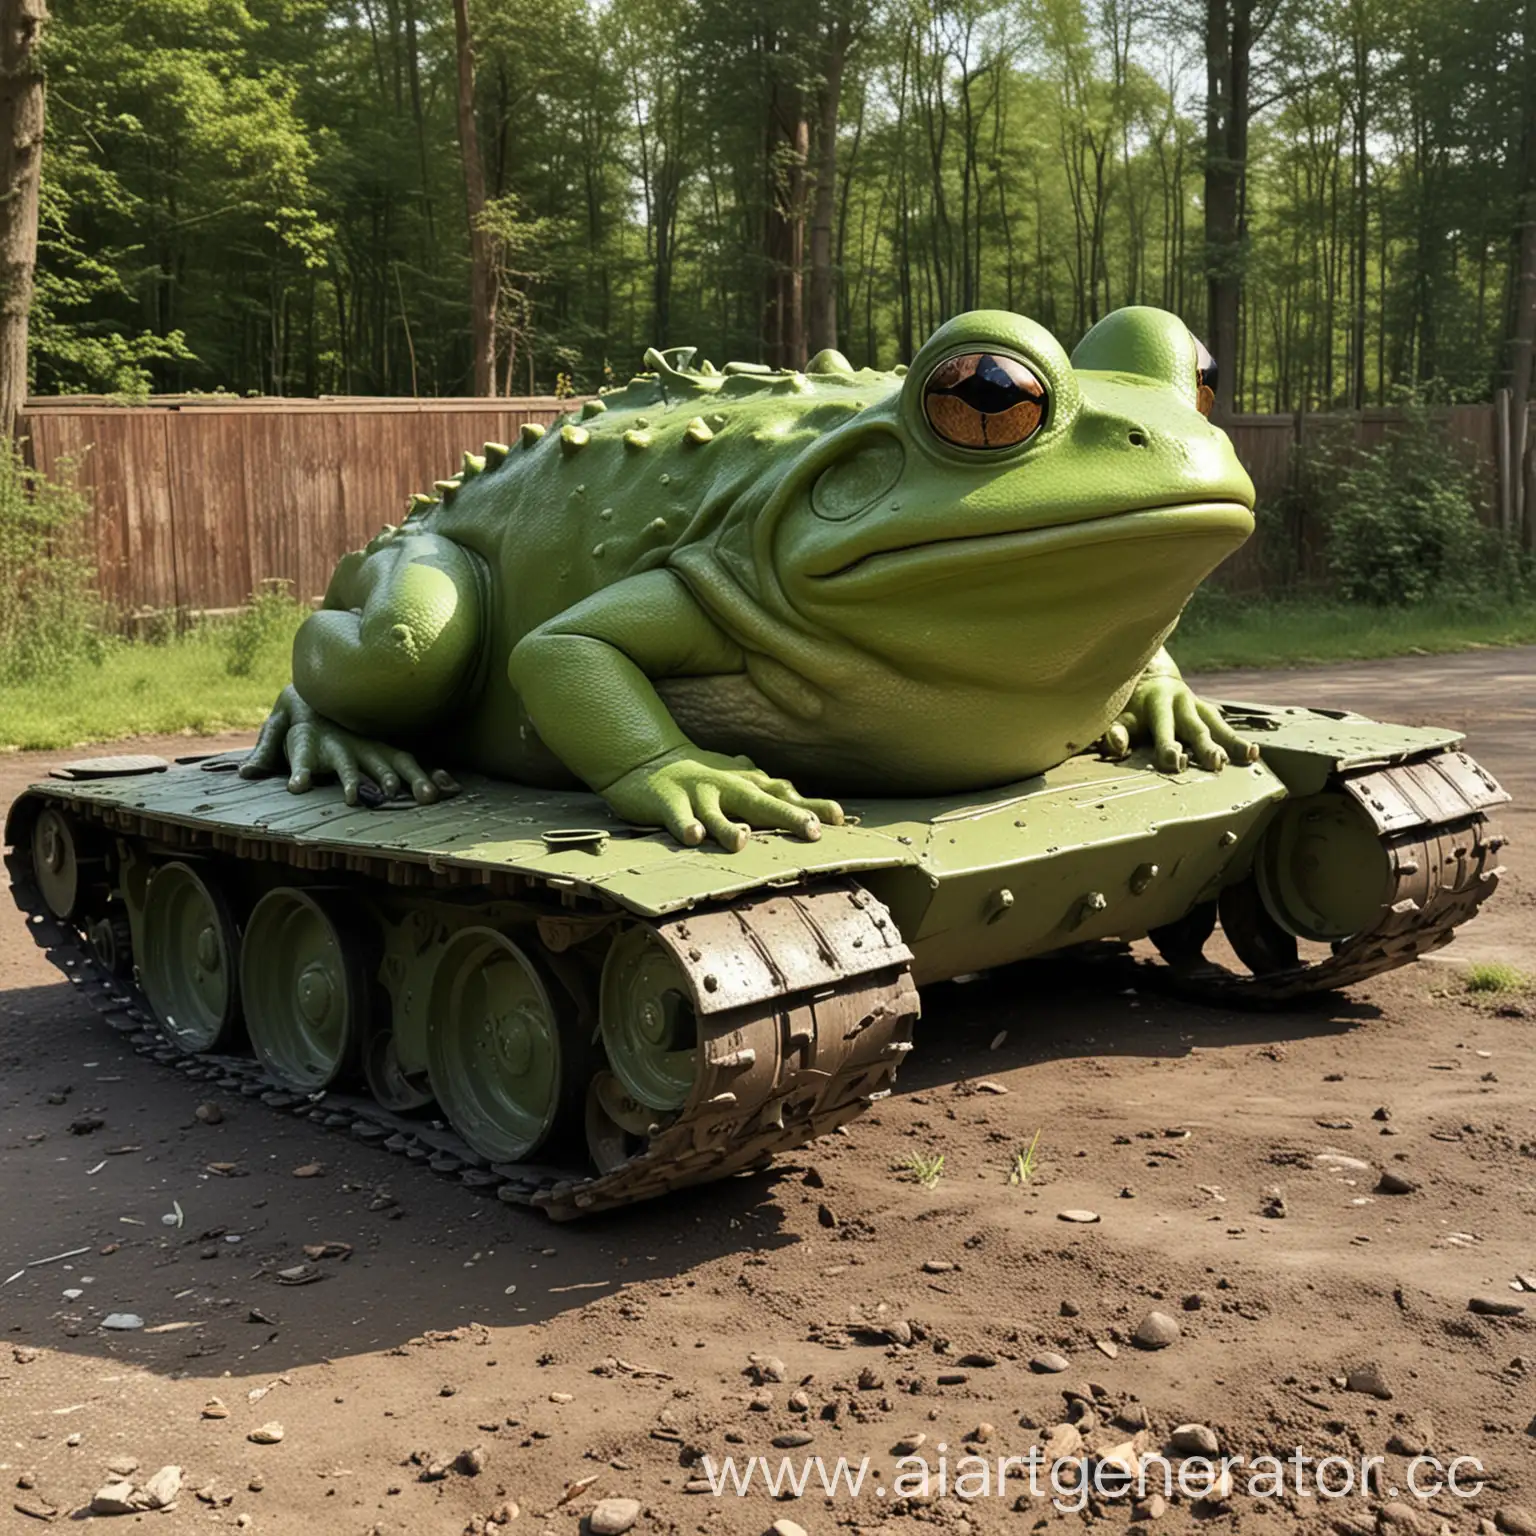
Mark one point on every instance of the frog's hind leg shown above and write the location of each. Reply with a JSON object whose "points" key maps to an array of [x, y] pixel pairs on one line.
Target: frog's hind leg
{"points": [[398, 638], [394, 651]]}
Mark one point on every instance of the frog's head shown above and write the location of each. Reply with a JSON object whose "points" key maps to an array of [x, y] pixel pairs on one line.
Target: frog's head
{"points": [[1013, 513]]}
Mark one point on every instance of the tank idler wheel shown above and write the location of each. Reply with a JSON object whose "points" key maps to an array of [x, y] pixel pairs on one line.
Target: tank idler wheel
{"points": [[503, 1056], [1182, 942], [388, 1082], [647, 1019], [112, 943], [617, 1127], [1257, 938], [187, 960], [56, 863], [305, 984]]}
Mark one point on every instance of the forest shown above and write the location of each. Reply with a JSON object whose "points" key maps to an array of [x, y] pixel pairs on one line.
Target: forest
{"points": [[448, 197]]}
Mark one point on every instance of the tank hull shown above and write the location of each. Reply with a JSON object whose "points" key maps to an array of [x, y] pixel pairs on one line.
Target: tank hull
{"points": [[796, 962]]}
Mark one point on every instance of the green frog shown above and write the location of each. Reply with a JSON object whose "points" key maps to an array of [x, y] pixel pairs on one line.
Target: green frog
{"points": [[722, 598]]}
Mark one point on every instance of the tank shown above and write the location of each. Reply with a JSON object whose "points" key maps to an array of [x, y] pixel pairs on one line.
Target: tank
{"points": [[939, 594], [572, 1013]]}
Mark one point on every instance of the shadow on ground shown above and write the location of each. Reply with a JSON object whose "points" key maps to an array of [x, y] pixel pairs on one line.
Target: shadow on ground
{"points": [[188, 1225]]}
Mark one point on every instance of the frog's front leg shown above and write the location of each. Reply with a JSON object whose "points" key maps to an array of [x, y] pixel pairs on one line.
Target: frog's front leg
{"points": [[585, 680], [1165, 711], [389, 654]]}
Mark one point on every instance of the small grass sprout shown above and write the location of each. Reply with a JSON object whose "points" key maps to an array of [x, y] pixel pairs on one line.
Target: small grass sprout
{"points": [[925, 1168], [1025, 1163]]}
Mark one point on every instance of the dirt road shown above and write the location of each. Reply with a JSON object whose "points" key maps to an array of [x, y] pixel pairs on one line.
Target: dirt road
{"points": [[1233, 1162]]}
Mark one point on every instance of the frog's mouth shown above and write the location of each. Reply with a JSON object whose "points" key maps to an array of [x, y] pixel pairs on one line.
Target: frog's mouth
{"points": [[1219, 522]]}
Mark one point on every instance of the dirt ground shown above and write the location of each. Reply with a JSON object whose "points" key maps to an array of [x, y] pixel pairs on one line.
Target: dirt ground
{"points": [[604, 1358]]}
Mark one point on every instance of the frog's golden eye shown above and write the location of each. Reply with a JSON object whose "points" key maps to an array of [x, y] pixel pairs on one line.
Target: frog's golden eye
{"points": [[1205, 378], [978, 400]]}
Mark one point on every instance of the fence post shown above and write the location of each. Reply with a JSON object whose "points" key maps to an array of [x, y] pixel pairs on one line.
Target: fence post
{"points": [[1502, 462]]}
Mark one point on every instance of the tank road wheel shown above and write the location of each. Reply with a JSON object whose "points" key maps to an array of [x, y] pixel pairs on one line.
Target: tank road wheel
{"points": [[1381, 867], [648, 1021], [500, 1047], [187, 958], [305, 985], [56, 862], [111, 941], [617, 1127], [394, 1088]]}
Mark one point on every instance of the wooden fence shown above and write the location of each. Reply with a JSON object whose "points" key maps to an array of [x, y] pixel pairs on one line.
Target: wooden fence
{"points": [[198, 499]]}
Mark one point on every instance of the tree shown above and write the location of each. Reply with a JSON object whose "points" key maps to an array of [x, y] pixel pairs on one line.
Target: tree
{"points": [[483, 286], [21, 158], [1522, 330]]}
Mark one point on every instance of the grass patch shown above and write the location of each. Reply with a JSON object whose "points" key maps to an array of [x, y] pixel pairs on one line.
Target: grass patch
{"points": [[1496, 976], [1024, 1163], [217, 677], [922, 1168], [1221, 630]]}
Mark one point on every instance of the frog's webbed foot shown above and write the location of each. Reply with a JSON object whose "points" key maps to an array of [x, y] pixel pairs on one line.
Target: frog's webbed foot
{"points": [[696, 794], [1166, 712], [307, 743]]}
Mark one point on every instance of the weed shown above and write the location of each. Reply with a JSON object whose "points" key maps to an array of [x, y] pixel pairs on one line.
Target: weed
{"points": [[266, 624], [923, 1168], [1496, 976], [49, 610], [1025, 1163]]}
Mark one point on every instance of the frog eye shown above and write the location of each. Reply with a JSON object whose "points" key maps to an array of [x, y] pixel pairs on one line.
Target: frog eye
{"points": [[1205, 378], [979, 400]]}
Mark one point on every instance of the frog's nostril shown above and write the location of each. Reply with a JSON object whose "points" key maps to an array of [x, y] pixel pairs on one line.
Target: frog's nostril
{"points": [[1138, 438]]}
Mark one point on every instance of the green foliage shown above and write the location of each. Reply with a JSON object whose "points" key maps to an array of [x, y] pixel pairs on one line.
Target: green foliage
{"points": [[1496, 976], [267, 194], [262, 631], [925, 1168], [180, 685], [1401, 519], [48, 605], [1245, 629]]}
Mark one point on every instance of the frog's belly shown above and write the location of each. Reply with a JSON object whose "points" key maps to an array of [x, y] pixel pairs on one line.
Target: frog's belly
{"points": [[908, 740]]}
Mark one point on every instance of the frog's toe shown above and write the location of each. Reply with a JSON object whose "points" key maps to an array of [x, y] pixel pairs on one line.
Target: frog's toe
{"points": [[1238, 748], [1116, 741], [446, 782]]}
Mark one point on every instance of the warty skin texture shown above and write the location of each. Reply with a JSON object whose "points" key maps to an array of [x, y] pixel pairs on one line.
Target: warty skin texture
{"points": [[721, 599]]}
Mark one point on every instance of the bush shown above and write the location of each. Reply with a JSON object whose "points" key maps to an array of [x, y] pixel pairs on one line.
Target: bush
{"points": [[50, 613], [265, 624], [1401, 520]]}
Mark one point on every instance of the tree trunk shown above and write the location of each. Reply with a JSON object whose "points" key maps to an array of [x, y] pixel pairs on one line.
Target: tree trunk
{"points": [[784, 243], [1228, 45], [1522, 335], [482, 255], [21, 159], [823, 305]]}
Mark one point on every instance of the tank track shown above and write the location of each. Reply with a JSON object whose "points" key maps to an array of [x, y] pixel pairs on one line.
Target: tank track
{"points": [[802, 1048], [1442, 849]]}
